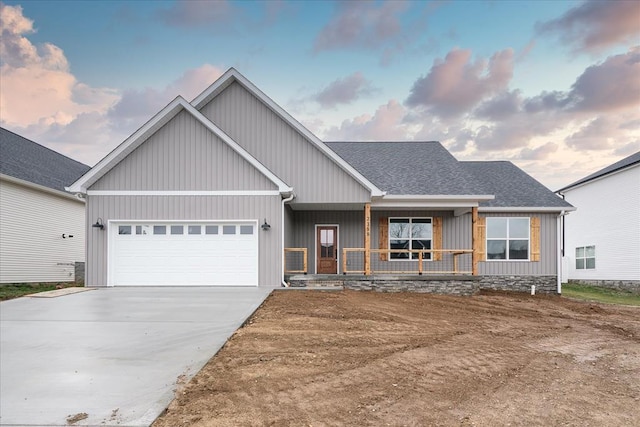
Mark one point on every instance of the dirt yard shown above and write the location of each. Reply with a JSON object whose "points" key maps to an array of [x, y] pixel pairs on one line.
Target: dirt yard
{"points": [[310, 358]]}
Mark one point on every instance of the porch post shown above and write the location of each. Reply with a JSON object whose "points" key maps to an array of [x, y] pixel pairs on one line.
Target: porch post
{"points": [[474, 241], [367, 239]]}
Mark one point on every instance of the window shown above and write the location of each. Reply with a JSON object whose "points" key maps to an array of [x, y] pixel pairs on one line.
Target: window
{"points": [[159, 229], [585, 257], [211, 229], [246, 229], [143, 229], [177, 229], [228, 229], [410, 233], [195, 229], [508, 239], [124, 229]]}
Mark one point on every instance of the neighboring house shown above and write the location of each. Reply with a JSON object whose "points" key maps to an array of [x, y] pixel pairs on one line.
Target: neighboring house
{"points": [[42, 231], [221, 190], [602, 238]]}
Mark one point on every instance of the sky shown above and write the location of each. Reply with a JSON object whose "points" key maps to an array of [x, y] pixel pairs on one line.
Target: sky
{"points": [[552, 86]]}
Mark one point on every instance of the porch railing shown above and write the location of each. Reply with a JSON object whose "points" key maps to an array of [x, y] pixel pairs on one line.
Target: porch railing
{"points": [[295, 257], [353, 261]]}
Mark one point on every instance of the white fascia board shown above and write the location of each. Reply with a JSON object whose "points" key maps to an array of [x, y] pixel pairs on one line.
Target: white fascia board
{"points": [[426, 201], [213, 90], [183, 193], [526, 209], [564, 190], [149, 128], [283, 188], [39, 187], [128, 145]]}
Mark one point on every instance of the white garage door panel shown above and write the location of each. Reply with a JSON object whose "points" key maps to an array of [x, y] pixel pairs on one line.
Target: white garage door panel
{"points": [[185, 259]]}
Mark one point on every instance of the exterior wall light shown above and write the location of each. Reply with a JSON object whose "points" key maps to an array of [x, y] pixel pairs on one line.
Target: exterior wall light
{"points": [[98, 224], [265, 226]]}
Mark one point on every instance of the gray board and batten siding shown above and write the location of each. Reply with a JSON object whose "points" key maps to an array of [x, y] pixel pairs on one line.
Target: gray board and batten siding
{"points": [[184, 156], [282, 149], [456, 234]]}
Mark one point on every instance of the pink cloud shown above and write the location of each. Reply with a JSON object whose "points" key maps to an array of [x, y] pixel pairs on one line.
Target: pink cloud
{"points": [[386, 124], [611, 85], [456, 84], [344, 91], [542, 152], [365, 24], [595, 25]]}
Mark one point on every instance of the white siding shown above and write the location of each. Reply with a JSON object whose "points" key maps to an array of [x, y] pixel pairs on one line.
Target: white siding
{"points": [[607, 216], [32, 223]]}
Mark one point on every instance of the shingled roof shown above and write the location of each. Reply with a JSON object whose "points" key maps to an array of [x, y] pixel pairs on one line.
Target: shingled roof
{"points": [[427, 168], [624, 163], [512, 186], [26, 160]]}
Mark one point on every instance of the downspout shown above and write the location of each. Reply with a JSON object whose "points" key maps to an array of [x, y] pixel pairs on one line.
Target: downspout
{"points": [[288, 199], [559, 249]]}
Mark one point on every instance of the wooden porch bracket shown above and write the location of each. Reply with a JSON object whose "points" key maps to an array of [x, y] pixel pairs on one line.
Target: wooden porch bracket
{"points": [[367, 238]]}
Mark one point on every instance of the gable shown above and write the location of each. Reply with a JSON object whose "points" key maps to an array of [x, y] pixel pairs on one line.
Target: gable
{"points": [[272, 140], [183, 155]]}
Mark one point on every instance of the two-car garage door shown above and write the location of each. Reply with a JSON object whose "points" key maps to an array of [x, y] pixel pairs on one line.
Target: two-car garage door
{"points": [[183, 253]]}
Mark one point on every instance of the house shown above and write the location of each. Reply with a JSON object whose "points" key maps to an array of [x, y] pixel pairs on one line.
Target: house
{"points": [[42, 232], [602, 238], [231, 190]]}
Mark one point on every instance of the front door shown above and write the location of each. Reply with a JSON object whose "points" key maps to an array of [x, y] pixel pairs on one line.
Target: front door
{"points": [[327, 249]]}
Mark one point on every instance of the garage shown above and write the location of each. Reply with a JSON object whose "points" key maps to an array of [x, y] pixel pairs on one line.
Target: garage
{"points": [[220, 253]]}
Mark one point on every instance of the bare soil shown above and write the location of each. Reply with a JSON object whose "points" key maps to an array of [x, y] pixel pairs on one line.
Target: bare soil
{"points": [[310, 358]]}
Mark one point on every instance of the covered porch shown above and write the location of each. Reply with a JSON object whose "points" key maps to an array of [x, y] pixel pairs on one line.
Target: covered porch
{"points": [[441, 237]]}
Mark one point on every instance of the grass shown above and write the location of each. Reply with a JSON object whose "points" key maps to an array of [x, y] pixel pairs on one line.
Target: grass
{"points": [[605, 295], [17, 290]]}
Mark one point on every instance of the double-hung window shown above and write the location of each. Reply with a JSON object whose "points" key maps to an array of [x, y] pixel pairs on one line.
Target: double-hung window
{"points": [[507, 238], [410, 233], [585, 257]]}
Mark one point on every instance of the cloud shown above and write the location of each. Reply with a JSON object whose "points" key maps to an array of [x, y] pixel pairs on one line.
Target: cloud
{"points": [[385, 125], [37, 85], [612, 85], [595, 25], [344, 91], [361, 24], [456, 84], [189, 14], [542, 152]]}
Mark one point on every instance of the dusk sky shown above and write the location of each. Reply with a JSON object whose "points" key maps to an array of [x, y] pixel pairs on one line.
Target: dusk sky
{"points": [[553, 86]]}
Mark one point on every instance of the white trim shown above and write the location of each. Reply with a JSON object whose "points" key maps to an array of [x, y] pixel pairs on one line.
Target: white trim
{"points": [[315, 246], [112, 223], [430, 201], [183, 193], [222, 82], [526, 209], [410, 239], [39, 187], [436, 197], [507, 239], [149, 128], [564, 190]]}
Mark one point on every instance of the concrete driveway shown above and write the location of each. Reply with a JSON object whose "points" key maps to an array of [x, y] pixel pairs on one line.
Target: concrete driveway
{"points": [[114, 354]]}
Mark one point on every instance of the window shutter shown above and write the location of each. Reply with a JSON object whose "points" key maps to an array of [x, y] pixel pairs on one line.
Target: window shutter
{"points": [[437, 238], [534, 223], [481, 236], [383, 236]]}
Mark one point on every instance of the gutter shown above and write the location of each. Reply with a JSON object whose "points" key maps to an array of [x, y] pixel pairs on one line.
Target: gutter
{"points": [[288, 199], [559, 248]]}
